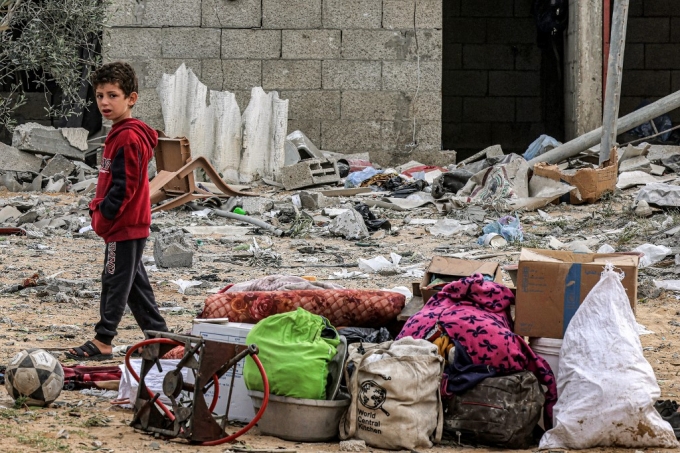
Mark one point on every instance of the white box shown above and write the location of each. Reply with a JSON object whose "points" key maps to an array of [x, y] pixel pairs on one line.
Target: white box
{"points": [[241, 408]]}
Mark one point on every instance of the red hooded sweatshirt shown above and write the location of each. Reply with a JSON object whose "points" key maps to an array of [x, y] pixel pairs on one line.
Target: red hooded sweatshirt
{"points": [[121, 209]]}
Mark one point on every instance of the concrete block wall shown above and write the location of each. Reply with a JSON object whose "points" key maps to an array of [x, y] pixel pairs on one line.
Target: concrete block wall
{"points": [[356, 72], [651, 67], [491, 81]]}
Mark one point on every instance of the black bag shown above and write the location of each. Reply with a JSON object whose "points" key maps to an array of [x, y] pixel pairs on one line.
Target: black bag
{"points": [[500, 411]]}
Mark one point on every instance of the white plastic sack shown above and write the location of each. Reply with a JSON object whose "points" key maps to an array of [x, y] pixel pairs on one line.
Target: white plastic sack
{"points": [[154, 380], [606, 388], [652, 253]]}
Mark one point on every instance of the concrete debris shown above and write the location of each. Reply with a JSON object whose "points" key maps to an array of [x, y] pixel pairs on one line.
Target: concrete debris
{"points": [[11, 159], [256, 205], [8, 213], [48, 140], [314, 200], [171, 250], [643, 209], [76, 136], [349, 225], [353, 445], [58, 164]]}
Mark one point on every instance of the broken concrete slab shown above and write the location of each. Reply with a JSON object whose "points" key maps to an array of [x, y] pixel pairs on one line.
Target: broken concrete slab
{"points": [[314, 200], [302, 148], [76, 136], [256, 205], [29, 217], [58, 164], [643, 209], [7, 180], [349, 225], [310, 172], [39, 139], [639, 178], [638, 163], [9, 212], [11, 159], [56, 186], [172, 250], [660, 152], [84, 186]]}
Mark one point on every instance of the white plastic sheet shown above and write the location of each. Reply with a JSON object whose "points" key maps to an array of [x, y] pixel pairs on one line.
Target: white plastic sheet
{"points": [[154, 380], [606, 387], [652, 253]]}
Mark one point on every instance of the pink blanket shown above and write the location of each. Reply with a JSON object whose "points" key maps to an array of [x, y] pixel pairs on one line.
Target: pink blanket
{"points": [[477, 314]]}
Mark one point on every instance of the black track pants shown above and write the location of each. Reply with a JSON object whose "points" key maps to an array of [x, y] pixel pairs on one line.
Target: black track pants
{"points": [[124, 281]]}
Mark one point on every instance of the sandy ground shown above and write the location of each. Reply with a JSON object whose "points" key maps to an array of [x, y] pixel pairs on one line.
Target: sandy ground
{"points": [[32, 319]]}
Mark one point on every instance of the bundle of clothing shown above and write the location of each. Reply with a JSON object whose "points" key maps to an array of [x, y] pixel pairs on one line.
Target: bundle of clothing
{"points": [[474, 316]]}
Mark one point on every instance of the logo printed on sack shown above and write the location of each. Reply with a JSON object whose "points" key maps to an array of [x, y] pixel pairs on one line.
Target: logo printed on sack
{"points": [[372, 396]]}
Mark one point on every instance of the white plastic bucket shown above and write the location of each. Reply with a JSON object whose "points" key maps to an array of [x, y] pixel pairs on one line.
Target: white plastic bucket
{"points": [[549, 349]]}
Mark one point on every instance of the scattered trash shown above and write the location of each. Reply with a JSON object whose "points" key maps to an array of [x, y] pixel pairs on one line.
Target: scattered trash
{"points": [[652, 254], [508, 227]]}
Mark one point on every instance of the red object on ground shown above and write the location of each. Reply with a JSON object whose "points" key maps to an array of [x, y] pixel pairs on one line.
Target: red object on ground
{"points": [[356, 164], [425, 168]]}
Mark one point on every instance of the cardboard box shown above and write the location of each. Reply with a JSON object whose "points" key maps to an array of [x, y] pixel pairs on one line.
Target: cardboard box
{"points": [[241, 408], [551, 285], [454, 269], [591, 183]]}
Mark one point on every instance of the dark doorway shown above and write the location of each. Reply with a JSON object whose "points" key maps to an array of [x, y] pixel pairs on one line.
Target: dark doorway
{"points": [[500, 85]]}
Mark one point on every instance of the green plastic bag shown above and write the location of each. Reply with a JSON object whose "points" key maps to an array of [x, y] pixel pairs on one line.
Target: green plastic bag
{"points": [[294, 354]]}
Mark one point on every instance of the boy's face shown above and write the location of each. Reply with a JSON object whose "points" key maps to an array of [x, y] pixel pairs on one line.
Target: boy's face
{"points": [[112, 102]]}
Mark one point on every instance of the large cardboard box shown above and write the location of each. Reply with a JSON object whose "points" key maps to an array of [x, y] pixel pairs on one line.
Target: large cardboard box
{"points": [[241, 408], [551, 285], [454, 268]]}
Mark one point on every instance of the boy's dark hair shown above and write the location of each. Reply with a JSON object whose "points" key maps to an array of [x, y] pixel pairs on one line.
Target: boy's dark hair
{"points": [[119, 73]]}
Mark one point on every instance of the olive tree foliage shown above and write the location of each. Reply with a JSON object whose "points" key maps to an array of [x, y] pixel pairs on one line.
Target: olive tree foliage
{"points": [[51, 44]]}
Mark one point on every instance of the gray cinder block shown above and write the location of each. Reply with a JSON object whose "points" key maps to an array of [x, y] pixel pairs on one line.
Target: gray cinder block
{"points": [[351, 75], [251, 44], [311, 44], [291, 14], [190, 42], [291, 74]]}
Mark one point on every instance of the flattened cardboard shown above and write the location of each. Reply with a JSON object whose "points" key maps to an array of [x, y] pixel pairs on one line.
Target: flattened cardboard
{"points": [[457, 267], [552, 284], [591, 183]]}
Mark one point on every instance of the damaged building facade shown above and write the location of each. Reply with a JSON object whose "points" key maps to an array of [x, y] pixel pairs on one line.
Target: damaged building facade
{"points": [[401, 79]]}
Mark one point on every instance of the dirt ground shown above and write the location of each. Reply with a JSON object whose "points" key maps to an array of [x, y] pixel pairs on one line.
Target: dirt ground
{"points": [[78, 422]]}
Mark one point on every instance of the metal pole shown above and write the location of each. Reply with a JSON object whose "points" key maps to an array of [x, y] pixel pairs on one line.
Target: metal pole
{"points": [[624, 124], [614, 74]]}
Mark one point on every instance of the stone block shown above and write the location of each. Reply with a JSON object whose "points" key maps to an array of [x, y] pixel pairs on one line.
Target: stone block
{"points": [[314, 200], [648, 30], [171, 250], [488, 56], [662, 56], [486, 8], [150, 71], [488, 109], [403, 75], [646, 83], [231, 13], [351, 75], [291, 14], [131, 43], [291, 74], [661, 8], [35, 138], [148, 106], [466, 136], [256, 205], [11, 159], [529, 110], [675, 30], [251, 44], [466, 30], [429, 45], [309, 172], [452, 109], [311, 128], [399, 14], [514, 83], [398, 139], [180, 13], [528, 57], [58, 164], [427, 106], [511, 31], [231, 75], [465, 83], [311, 44], [452, 56], [311, 105], [634, 56], [377, 44], [124, 13], [350, 136], [347, 14], [375, 105], [183, 42], [349, 225]]}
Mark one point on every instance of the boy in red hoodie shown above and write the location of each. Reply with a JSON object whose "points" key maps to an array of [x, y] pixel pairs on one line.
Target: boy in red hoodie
{"points": [[121, 212]]}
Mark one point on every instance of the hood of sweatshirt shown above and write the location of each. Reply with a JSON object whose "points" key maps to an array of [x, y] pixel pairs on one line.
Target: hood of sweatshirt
{"points": [[143, 131]]}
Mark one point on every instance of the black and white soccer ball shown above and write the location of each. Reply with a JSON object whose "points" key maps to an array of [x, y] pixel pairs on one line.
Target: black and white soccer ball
{"points": [[36, 375]]}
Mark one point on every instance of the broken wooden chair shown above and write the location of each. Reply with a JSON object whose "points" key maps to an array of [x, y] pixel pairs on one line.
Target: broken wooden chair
{"points": [[175, 176]]}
